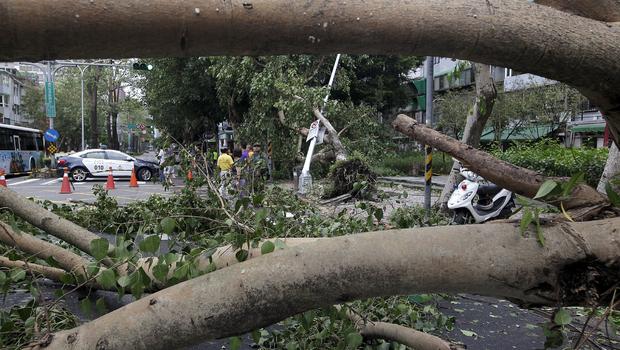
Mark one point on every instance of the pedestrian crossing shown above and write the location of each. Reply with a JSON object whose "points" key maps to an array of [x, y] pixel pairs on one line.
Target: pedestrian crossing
{"points": [[15, 182]]}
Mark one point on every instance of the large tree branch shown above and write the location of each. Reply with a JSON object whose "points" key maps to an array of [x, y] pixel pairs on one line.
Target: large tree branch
{"points": [[29, 244], [341, 152], [519, 180], [404, 335], [49, 222], [491, 259], [52, 273], [600, 10], [544, 41]]}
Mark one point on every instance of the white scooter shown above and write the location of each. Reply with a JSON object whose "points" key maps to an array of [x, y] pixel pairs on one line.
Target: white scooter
{"points": [[475, 202]]}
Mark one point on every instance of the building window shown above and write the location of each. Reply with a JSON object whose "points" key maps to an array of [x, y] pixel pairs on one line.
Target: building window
{"points": [[4, 101], [511, 72]]}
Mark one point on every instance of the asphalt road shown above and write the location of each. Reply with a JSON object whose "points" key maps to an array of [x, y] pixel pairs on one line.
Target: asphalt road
{"points": [[49, 189]]}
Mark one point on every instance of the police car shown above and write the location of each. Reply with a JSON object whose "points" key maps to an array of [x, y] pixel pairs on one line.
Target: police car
{"points": [[97, 163]]}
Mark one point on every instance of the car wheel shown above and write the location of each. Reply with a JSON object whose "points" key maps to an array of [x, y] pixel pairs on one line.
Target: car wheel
{"points": [[145, 174], [78, 174], [33, 165]]}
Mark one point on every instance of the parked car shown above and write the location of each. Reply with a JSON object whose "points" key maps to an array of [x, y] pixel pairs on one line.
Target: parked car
{"points": [[97, 163]]}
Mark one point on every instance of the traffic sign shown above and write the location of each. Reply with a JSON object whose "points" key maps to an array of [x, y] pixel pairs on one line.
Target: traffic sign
{"points": [[313, 131], [51, 135], [131, 126], [50, 100], [52, 148]]}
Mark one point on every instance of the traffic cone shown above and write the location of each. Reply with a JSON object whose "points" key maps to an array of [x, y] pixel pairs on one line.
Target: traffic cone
{"points": [[133, 182], [190, 177], [65, 188], [2, 179], [110, 184]]}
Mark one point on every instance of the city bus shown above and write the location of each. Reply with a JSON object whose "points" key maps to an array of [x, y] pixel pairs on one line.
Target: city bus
{"points": [[21, 149]]}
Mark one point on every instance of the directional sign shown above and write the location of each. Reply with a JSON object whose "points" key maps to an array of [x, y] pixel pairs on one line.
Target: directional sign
{"points": [[314, 130], [52, 148], [50, 100], [51, 135], [131, 126]]}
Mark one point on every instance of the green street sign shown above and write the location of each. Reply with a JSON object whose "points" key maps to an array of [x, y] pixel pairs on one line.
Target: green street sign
{"points": [[131, 126], [50, 100]]}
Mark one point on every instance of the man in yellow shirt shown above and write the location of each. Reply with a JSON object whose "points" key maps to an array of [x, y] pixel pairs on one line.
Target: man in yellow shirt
{"points": [[225, 162]]}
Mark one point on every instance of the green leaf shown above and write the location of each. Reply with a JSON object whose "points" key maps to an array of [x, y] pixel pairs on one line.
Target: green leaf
{"points": [[379, 214], [171, 258], [539, 232], [168, 225], [292, 345], [150, 244], [526, 220], [2, 277], [570, 185], [181, 271], [267, 247], [160, 272], [124, 281], [260, 215], [469, 333], [18, 275], [241, 255], [107, 278], [279, 243], [67, 278], [256, 336], [235, 343], [92, 269], [100, 306], [99, 248], [562, 317], [613, 196], [85, 306], [353, 340], [546, 188]]}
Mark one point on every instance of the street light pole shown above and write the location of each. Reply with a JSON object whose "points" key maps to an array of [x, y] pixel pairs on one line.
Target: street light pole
{"points": [[82, 69], [428, 150]]}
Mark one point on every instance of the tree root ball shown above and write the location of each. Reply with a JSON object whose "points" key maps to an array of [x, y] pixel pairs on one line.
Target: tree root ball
{"points": [[352, 176]]}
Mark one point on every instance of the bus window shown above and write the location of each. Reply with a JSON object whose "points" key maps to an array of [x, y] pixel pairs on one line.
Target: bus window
{"points": [[6, 142], [28, 141]]}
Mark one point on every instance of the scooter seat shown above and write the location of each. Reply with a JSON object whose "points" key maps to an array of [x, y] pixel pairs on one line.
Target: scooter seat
{"points": [[489, 190]]}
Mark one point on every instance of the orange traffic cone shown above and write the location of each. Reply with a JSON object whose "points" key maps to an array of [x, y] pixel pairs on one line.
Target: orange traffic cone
{"points": [[110, 184], [2, 179], [190, 177], [133, 182], [65, 188]]}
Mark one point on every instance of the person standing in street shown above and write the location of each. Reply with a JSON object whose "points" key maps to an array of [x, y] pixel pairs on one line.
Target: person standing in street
{"points": [[225, 163]]}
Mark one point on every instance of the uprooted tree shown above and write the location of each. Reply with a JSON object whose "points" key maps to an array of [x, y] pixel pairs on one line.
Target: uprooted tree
{"points": [[492, 259]]}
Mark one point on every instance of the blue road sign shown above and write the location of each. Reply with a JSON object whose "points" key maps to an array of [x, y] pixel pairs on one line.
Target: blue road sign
{"points": [[51, 135]]}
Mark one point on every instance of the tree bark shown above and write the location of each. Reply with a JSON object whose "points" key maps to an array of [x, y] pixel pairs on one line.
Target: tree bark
{"points": [[601, 10], [611, 171], [516, 179], [492, 259], [339, 150], [486, 93], [510, 33], [52, 273]]}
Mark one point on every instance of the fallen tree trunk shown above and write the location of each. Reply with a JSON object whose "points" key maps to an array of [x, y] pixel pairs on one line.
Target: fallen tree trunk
{"points": [[611, 171], [545, 41], [600, 10], [516, 179], [339, 150], [491, 259]]}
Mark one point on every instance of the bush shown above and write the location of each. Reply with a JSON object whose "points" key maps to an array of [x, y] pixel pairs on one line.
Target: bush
{"points": [[412, 164], [550, 158]]}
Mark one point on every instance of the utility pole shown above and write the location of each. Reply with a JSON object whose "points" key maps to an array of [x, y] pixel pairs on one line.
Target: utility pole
{"points": [[428, 150], [305, 180]]}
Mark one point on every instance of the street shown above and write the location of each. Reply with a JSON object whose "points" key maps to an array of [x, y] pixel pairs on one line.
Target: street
{"points": [[49, 189]]}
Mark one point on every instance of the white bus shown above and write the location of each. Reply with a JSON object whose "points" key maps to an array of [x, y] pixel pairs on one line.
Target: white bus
{"points": [[21, 149]]}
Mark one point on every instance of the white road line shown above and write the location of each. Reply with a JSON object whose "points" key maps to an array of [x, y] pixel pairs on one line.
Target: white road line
{"points": [[51, 182], [23, 182], [79, 183]]}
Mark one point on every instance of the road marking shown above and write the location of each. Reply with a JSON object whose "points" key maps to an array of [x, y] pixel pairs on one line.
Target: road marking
{"points": [[23, 182], [79, 183], [51, 182]]}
